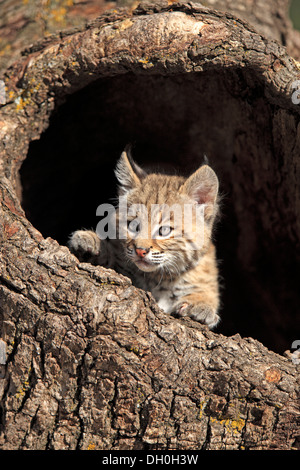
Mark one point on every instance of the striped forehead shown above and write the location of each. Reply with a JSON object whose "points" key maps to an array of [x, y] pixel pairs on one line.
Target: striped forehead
{"points": [[157, 189]]}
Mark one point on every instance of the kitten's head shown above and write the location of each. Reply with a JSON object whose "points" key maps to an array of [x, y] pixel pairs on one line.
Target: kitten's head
{"points": [[165, 222]]}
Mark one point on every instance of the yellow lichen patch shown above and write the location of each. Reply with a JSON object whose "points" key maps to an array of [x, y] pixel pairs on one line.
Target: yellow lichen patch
{"points": [[91, 446], [11, 95], [5, 49], [135, 350], [21, 103], [26, 94], [59, 14], [146, 62], [236, 425], [53, 13], [24, 387], [202, 406], [297, 64]]}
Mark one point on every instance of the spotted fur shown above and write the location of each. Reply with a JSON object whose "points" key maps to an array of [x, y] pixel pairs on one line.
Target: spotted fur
{"points": [[179, 268]]}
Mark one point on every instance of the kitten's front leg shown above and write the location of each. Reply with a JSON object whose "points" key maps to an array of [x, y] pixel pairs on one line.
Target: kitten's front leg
{"points": [[85, 244], [199, 308]]}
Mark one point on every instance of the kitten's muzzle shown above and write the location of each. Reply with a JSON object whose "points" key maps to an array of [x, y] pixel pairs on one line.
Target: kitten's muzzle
{"points": [[143, 259], [142, 252]]}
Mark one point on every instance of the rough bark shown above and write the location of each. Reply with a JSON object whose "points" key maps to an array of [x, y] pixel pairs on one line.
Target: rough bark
{"points": [[91, 362], [24, 23], [270, 18]]}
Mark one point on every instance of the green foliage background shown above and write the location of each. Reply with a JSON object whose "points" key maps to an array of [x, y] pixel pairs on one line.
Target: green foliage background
{"points": [[295, 13]]}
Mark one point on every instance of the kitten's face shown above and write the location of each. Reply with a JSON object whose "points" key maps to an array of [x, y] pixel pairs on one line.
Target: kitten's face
{"points": [[165, 228], [157, 238]]}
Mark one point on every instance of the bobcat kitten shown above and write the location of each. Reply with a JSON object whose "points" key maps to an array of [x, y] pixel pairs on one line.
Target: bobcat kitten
{"points": [[179, 268]]}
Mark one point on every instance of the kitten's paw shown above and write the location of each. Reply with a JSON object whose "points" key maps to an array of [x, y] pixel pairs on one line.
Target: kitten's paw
{"points": [[85, 241], [200, 312]]}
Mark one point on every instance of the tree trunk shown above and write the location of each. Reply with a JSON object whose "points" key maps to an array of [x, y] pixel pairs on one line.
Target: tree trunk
{"points": [[87, 360]]}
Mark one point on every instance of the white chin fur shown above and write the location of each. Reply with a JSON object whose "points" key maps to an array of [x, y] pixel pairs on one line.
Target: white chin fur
{"points": [[144, 266]]}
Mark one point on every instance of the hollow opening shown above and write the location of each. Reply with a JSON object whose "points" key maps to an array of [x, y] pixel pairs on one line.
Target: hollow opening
{"points": [[172, 122]]}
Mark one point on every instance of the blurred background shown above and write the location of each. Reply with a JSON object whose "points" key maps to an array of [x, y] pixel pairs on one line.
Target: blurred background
{"points": [[295, 13]]}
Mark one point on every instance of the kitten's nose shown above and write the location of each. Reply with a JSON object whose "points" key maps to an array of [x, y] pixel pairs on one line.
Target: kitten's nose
{"points": [[141, 252]]}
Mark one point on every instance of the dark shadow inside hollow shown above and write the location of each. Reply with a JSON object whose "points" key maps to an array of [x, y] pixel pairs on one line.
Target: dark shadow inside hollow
{"points": [[172, 122]]}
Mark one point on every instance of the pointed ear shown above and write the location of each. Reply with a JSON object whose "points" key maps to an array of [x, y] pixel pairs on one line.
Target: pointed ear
{"points": [[128, 173], [202, 186]]}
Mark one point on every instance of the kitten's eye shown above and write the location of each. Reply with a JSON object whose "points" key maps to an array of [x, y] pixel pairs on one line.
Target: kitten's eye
{"points": [[134, 226], [164, 230]]}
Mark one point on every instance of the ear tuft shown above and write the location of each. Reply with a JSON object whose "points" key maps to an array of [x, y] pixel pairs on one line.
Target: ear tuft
{"points": [[128, 173]]}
